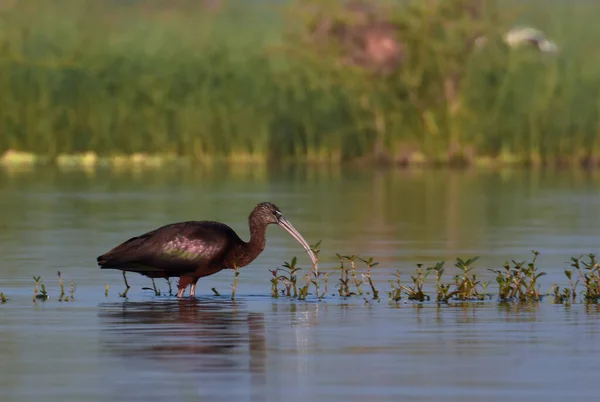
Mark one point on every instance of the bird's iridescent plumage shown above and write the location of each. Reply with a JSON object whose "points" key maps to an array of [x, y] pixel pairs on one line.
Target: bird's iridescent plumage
{"points": [[195, 249]]}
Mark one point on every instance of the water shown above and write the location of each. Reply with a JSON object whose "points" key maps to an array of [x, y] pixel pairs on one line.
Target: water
{"points": [[256, 348]]}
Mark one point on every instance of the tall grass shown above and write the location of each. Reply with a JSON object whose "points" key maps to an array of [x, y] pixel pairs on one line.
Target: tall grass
{"points": [[241, 85]]}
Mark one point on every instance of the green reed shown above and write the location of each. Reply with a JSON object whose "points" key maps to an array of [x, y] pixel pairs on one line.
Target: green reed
{"points": [[83, 76], [236, 277]]}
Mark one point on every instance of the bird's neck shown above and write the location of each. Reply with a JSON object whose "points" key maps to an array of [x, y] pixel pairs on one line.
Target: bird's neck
{"points": [[251, 249], [258, 234]]}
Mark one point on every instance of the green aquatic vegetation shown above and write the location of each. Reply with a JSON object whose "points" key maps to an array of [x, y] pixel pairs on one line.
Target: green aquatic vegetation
{"points": [[367, 277], [314, 277], [396, 293], [442, 289], [274, 283], [289, 279], [589, 276], [62, 286], [413, 293], [519, 281], [466, 284], [326, 284], [350, 272], [303, 292], [3, 298], [416, 291], [573, 289], [235, 281], [344, 281], [315, 274], [39, 291], [564, 297]]}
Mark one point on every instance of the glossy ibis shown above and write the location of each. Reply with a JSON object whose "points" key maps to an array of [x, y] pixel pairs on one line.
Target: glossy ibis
{"points": [[194, 249]]}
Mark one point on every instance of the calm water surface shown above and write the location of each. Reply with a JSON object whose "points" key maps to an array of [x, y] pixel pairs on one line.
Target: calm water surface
{"points": [[255, 348]]}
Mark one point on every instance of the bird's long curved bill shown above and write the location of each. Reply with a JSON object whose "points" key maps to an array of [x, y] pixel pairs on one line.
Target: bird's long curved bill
{"points": [[284, 223]]}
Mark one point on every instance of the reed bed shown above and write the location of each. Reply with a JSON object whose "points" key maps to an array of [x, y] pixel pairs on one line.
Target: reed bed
{"points": [[87, 83]]}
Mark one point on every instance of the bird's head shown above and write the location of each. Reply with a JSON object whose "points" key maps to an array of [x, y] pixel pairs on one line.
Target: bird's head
{"points": [[268, 213]]}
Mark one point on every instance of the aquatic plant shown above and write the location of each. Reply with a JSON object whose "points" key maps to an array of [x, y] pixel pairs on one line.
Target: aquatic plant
{"points": [[564, 297], [39, 291], [72, 290], [3, 298], [396, 293], [589, 277], [367, 277], [416, 291], [466, 284], [274, 282], [442, 289], [290, 277], [235, 282], [519, 281]]}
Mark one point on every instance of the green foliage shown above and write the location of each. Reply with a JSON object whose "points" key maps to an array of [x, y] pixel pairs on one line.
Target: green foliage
{"points": [[519, 281], [39, 291], [84, 75]]}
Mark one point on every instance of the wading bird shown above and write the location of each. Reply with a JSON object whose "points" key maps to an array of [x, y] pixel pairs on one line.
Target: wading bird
{"points": [[195, 249]]}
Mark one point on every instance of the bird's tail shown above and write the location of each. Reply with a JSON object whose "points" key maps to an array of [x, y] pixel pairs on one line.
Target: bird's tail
{"points": [[105, 262]]}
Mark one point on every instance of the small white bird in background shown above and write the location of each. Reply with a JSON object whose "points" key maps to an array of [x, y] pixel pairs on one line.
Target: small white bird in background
{"points": [[522, 36]]}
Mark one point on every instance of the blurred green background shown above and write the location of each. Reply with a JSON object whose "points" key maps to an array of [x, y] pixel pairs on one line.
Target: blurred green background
{"points": [[279, 81]]}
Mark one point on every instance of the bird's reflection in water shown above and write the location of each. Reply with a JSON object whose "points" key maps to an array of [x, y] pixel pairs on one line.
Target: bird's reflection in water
{"points": [[185, 336]]}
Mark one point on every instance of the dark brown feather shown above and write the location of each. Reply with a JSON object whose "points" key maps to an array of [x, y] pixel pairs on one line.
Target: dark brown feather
{"points": [[174, 249]]}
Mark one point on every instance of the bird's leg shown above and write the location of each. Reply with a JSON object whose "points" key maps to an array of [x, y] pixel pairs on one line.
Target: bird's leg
{"points": [[193, 288], [125, 279], [156, 292], [182, 285], [124, 294]]}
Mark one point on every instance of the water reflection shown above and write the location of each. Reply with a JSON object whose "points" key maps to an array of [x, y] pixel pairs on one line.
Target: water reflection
{"points": [[206, 343], [179, 329]]}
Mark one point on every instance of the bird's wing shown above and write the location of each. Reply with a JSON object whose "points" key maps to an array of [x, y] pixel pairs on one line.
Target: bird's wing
{"points": [[176, 248]]}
